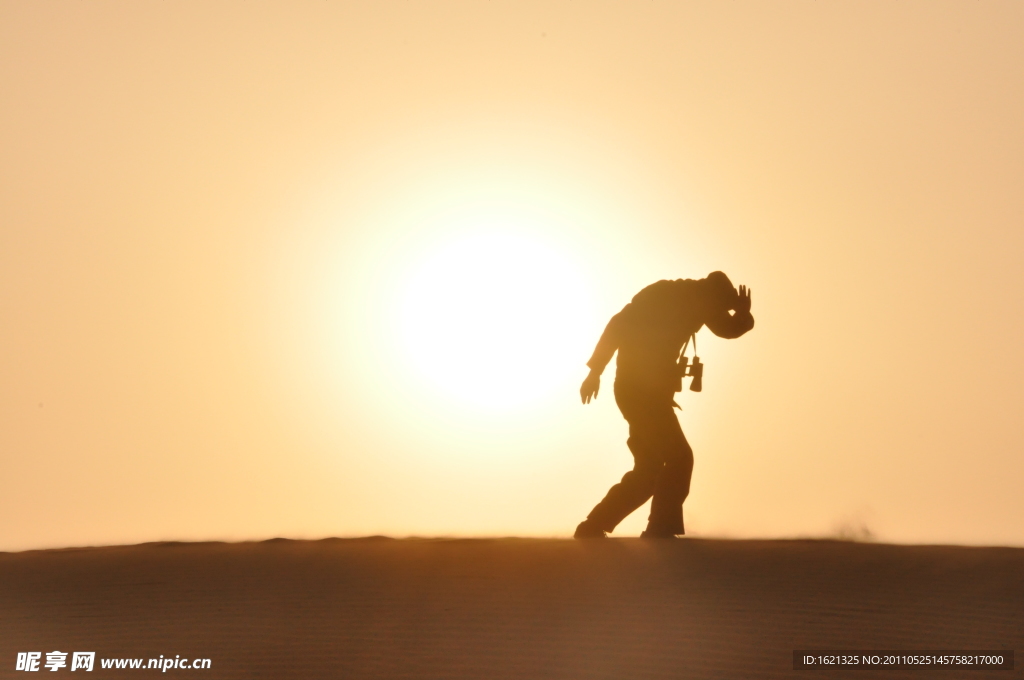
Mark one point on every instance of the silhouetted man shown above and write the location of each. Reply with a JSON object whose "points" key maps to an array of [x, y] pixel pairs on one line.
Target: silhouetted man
{"points": [[649, 334]]}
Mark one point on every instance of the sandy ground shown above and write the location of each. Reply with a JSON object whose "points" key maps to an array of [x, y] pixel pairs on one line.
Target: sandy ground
{"points": [[510, 608]]}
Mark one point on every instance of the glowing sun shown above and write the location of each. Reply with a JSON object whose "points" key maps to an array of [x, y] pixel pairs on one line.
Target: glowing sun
{"points": [[495, 319]]}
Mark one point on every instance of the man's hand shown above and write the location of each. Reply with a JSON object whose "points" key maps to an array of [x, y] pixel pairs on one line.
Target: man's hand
{"points": [[590, 387], [743, 301]]}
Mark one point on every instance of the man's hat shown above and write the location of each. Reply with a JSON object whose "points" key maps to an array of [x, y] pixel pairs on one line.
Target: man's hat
{"points": [[720, 288]]}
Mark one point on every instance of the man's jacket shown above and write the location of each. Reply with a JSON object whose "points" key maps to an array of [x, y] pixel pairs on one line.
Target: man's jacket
{"points": [[650, 331]]}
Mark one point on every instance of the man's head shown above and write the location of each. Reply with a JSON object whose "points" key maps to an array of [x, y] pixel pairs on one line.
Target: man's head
{"points": [[719, 293]]}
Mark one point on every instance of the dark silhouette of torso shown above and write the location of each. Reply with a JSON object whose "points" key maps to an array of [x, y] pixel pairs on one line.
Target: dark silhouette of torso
{"points": [[649, 334], [650, 331]]}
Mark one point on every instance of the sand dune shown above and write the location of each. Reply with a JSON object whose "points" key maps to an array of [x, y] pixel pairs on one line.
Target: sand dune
{"points": [[510, 608]]}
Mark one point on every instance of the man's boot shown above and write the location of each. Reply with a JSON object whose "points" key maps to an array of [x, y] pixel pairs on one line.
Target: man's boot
{"points": [[653, 533], [588, 529], [658, 530]]}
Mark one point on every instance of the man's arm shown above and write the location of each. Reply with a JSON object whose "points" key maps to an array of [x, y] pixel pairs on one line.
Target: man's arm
{"points": [[603, 353], [730, 326]]}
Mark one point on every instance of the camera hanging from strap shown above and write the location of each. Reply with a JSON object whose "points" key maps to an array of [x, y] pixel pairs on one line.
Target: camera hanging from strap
{"points": [[688, 370]]}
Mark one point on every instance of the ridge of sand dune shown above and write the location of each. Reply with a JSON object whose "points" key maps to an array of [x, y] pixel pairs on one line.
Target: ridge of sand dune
{"points": [[510, 608]]}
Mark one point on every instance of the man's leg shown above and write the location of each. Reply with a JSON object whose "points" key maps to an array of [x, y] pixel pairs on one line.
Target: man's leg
{"points": [[673, 483], [645, 414], [636, 487]]}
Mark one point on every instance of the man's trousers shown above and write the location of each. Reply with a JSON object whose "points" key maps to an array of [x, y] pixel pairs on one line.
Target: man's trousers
{"points": [[662, 463]]}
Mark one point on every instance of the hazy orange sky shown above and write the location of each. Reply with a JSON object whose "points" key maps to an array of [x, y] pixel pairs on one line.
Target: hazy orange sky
{"points": [[251, 253]]}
